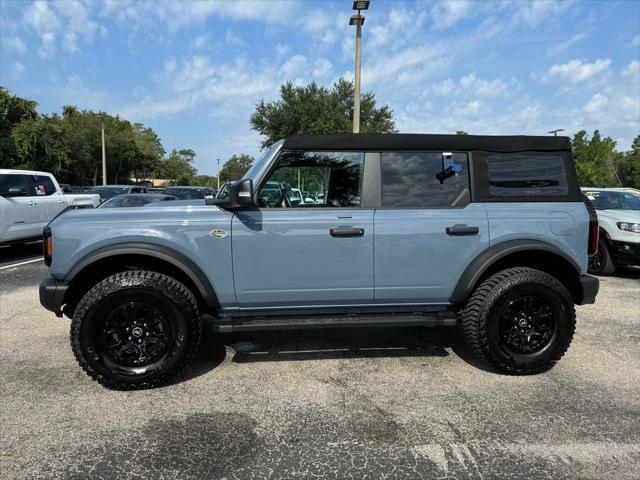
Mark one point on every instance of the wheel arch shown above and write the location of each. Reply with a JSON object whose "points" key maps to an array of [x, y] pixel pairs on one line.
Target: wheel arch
{"points": [[519, 253], [129, 256]]}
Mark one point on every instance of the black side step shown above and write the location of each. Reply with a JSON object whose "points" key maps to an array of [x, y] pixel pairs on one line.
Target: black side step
{"points": [[443, 319]]}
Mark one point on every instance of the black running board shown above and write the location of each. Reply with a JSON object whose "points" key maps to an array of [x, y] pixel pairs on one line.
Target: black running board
{"points": [[348, 321]]}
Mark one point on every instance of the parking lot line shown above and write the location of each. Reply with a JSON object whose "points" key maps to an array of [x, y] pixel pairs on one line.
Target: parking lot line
{"points": [[21, 263]]}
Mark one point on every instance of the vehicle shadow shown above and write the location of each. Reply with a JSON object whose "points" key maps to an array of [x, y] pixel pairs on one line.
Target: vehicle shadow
{"points": [[325, 344], [627, 272], [19, 252]]}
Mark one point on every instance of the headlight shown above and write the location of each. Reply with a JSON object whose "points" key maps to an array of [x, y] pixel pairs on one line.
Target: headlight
{"points": [[629, 227]]}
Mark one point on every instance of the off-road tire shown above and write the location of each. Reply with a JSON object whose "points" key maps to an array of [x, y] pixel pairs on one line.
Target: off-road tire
{"points": [[480, 318], [171, 297], [601, 263]]}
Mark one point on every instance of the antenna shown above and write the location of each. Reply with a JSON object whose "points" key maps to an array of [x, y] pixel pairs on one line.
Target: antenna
{"points": [[555, 132]]}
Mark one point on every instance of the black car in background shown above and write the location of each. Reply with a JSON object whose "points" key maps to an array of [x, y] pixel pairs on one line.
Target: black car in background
{"points": [[190, 193], [108, 191]]}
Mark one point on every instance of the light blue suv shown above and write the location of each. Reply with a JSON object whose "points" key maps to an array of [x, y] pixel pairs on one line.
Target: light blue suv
{"points": [[490, 233]]}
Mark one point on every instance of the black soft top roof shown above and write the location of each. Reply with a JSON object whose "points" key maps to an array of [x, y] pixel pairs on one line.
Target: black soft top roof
{"points": [[412, 141]]}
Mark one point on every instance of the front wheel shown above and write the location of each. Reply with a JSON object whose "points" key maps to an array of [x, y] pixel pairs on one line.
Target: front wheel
{"points": [[135, 329], [520, 320]]}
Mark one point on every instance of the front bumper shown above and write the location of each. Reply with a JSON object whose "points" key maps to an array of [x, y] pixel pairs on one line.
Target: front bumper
{"points": [[52, 293], [626, 253], [590, 286]]}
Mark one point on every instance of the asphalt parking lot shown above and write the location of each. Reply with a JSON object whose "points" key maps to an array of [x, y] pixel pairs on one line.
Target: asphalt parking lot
{"points": [[372, 403]]}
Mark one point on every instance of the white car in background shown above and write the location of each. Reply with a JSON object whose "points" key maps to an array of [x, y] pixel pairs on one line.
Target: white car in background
{"points": [[29, 200], [618, 211]]}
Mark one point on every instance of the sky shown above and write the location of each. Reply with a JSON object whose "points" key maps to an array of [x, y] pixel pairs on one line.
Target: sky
{"points": [[194, 70]]}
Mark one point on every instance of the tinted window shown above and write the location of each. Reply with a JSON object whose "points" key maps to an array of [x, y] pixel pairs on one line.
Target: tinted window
{"points": [[43, 185], [14, 181], [185, 193], [424, 179], [603, 200], [525, 174], [333, 179]]}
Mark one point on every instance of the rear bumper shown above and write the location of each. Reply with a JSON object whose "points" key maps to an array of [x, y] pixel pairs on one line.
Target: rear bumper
{"points": [[590, 286], [52, 295]]}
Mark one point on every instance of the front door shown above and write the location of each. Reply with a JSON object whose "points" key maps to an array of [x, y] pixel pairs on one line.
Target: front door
{"points": [[310, 252], [18, 214]]}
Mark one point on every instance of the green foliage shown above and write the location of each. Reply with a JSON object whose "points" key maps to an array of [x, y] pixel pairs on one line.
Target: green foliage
{"points": [[628, 165], [461, 132], [313, 109], [205, 181], [178, 166], [13, 110], [235, 168]]}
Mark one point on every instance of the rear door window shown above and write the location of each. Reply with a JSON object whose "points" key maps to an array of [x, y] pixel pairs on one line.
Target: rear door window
{"points": [[425, 179], [43, 185], [516, 175]]}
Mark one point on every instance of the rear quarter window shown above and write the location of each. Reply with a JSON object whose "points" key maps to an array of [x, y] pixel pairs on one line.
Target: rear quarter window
{"points": [[517, 175]]}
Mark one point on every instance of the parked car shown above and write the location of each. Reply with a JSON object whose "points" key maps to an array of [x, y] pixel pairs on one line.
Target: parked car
{"points": [[108, 191], [618, 211], [135, 200], [502, 252], [29, 200], [190, 193]]}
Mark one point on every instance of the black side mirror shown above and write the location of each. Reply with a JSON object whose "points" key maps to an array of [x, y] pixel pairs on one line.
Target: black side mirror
{"points": [[241, 194], [16, 192]]}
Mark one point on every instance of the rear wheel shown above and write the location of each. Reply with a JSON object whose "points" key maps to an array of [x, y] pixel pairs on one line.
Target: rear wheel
{"points": [[135, 329], [601, 263], [520, 320]]}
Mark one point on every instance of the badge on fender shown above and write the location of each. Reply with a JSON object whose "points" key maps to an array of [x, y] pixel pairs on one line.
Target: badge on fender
{"points": [[218, 232]]}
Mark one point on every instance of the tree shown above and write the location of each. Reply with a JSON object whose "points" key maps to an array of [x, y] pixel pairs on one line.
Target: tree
{"points": [[205, 181], [461, 132], [595, 159], [314, 109], [235, 167], [628, 165], [13, 110], [178, 166]]}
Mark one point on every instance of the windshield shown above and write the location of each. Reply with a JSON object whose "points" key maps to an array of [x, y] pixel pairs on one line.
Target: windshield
{"points": [[614, 200], [108, 192], [258, 165], [186, 193]]}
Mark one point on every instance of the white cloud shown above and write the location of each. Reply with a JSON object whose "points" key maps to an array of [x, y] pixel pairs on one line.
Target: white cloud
{"points": [[564, 46], [322, 68], [14, 44], [634, 42], [293, 67], [486, 88], [447, 13], [282, 49], [232, 40], [632, 72], [577, 71], [200, 41], [533, 13], [174, 15]]}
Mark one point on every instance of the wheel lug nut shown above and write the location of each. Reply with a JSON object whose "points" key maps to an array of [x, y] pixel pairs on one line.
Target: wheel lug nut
{"points": [[130, 338], [139, 341], [147, 333]]}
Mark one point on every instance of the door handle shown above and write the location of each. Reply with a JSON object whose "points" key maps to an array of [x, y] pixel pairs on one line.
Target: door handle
{"points": [[31, 202], [61, 201], [462, 230], [346, 232]]}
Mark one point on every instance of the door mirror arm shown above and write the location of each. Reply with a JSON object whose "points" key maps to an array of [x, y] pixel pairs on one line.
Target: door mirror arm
{"points": [[240, 195]]}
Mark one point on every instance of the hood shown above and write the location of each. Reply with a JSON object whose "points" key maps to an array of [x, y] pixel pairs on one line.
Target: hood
{"points": [[630, 216]]}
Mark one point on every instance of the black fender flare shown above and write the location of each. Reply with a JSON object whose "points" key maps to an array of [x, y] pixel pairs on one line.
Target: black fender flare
{"points": [[169, 255], [474, 271]]}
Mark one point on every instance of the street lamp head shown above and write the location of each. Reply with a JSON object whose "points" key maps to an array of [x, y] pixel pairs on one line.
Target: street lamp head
{"points": [[361, 4], [356, 19]]}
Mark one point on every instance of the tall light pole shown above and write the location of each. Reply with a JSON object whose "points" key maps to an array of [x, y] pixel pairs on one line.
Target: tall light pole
{"points": [[358, 21], [218, 174], [104, 158]]}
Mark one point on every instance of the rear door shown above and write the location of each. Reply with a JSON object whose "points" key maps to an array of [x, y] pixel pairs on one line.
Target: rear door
{"points": [[287, 254], [50, 200], [427, 231]]}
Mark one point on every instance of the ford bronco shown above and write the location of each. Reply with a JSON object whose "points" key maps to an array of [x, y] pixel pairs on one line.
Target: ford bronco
{"points": [[487, 232]]}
